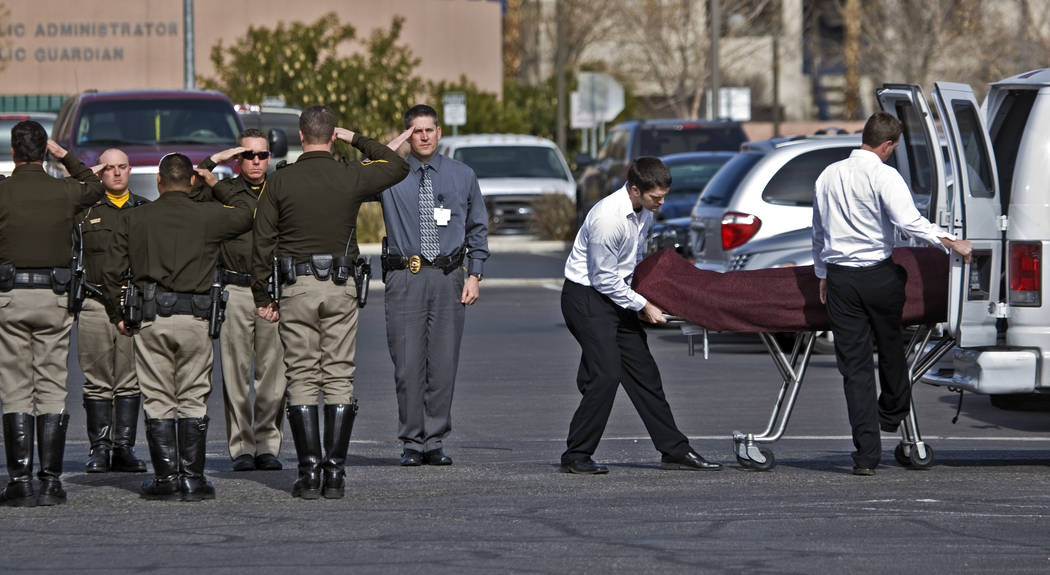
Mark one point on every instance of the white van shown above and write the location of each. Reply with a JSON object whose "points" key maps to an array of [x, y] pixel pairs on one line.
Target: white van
{"points": [[1000, 202]]}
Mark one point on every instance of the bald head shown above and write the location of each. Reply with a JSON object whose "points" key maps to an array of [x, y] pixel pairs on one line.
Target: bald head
{"points": [[116, 175]]}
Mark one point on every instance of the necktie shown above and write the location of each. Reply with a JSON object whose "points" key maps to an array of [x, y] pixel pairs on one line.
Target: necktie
{"points": [[429, 242]]}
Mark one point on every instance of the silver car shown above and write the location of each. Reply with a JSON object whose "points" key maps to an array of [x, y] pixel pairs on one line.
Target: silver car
{"points": [[764, 191]]}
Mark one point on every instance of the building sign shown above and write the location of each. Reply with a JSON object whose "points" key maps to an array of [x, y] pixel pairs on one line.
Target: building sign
{"points": [[47, 48]]}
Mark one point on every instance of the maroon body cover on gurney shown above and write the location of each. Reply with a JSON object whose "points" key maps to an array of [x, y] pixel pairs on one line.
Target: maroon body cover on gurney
{"points": [[778, 299]]}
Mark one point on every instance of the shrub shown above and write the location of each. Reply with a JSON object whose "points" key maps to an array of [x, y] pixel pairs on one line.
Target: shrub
{"points": [[370, 228], [553, 217]]}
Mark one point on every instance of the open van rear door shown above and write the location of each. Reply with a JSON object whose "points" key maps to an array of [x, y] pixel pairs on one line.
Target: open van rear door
{"points": [[918, 157], [973, 297]]}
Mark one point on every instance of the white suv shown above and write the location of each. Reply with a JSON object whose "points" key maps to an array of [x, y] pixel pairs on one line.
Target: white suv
{"points": [[513, 170]]}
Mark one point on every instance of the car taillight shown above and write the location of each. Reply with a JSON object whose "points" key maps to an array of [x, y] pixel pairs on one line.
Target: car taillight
{"points": [[738, 228], [1026, 274]]}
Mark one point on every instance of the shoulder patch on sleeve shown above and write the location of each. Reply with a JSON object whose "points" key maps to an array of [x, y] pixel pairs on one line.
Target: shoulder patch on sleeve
{"points": [[370, 162]]}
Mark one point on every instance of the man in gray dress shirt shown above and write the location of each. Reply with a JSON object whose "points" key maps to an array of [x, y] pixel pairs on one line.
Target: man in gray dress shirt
{"points": [[436, 224], [604, 315]]}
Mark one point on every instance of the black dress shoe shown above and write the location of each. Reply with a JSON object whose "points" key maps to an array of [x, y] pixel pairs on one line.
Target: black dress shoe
{"points": [[268, 462], [584, 467], [244, 463], [866, 471], [411, 458], [436, 457], [691, 461]]}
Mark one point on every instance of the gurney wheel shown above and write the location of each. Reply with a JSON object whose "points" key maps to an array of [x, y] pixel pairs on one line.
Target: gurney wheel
{"points": [[901, 457], [922, 462], [766, 465]]}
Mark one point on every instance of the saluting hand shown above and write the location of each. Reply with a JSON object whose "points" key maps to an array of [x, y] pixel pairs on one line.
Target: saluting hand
{"points": [[344, 135], [400, 140], [206, 175], [227, 155], [55, 150]]}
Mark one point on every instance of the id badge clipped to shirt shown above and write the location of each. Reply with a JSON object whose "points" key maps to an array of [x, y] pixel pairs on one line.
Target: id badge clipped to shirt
{"points": [[442, 216]]}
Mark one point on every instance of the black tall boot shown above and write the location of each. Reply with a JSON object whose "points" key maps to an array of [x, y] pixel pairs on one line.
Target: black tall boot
{"points": [[338, 423], [18, 444], [193, 435], [99, 417], [302, 419], [164, 451], [51, 447], [126, 422]]}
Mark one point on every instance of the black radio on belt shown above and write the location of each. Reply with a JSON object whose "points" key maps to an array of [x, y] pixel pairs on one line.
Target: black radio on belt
{"points": [[217, 307], [131, 305]]}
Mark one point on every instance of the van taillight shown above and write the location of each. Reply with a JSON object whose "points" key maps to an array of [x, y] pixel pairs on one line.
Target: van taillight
{"points": [[1026, 274], [738, 228]]}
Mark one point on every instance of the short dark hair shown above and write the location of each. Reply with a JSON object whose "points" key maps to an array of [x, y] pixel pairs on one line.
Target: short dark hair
{"points": [[419, 111], [647, 173], [28, 141], [317, 123], [252, 133], [176, 172], [881, 127]]}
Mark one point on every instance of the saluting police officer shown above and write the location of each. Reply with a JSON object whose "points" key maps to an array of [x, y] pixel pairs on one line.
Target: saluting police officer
{"points": [[307, 217], [36, 224], [253, 428], [107, 358], [172, 248]]}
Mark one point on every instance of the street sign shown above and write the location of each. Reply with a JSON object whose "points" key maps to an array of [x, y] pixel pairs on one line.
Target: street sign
{"points": [[600, 95], [454, 106], [733, 104], [579, 118]]}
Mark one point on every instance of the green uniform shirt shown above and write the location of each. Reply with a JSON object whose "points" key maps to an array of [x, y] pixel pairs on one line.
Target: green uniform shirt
{"points": [[173, 241], [310, 207], [37, 213], [236, 254]]}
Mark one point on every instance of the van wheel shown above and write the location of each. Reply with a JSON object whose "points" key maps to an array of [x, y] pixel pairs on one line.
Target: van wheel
{"points": [[1021, 401]]}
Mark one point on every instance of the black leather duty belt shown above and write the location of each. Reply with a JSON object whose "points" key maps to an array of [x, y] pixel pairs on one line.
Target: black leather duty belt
{"points": [[36, 277], [230, 277], [416, 262]]}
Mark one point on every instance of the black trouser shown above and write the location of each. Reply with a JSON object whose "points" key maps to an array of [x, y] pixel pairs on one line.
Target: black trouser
{"points": [[862, 302], [615, 351]]}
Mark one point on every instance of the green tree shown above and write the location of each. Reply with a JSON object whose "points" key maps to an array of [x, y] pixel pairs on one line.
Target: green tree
{"points": [[368, 90]]}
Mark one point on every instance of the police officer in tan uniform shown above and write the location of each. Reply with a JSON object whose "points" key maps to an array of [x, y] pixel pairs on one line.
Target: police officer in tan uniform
{"points": [[36, 224], [307, 217], [172, 248], [107, 359], [253, 428]]}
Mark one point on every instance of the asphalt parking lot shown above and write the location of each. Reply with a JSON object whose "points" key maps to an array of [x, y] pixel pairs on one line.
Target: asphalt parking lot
{"points": [[503, 506]]}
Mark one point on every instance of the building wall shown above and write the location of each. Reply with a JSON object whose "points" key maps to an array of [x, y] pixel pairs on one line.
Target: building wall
{"points": [[59, 47]]}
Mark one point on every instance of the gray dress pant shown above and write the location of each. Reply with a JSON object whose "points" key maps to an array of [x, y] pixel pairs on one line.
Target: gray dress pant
{"points": [[424, 326]]}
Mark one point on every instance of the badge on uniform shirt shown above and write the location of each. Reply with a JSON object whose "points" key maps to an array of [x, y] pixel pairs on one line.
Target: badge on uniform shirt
{"points": [[94, 220], [442, 216]]}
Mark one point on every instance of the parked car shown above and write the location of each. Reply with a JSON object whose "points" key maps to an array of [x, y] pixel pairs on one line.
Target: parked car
{"points": [[275, 116], [513, 170], [629, 140], [766, 190], [146, 124], [690, 173], [8, 121]]}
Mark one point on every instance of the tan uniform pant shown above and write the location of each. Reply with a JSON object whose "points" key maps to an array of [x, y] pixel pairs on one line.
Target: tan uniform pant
{"points": [[173, 361], [319, 332], [246, 338], [106, 357], [34, 348]]}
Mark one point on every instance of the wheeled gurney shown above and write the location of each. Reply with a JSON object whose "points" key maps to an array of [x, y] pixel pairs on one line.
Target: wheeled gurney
{"points": [[781, 300]]}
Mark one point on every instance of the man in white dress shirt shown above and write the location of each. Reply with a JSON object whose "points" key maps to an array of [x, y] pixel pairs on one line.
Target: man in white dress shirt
{"points": [[858, 203], [604, 315]]}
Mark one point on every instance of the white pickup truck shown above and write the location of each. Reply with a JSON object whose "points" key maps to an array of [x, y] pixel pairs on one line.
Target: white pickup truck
{"points": [[1000, 200]]}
